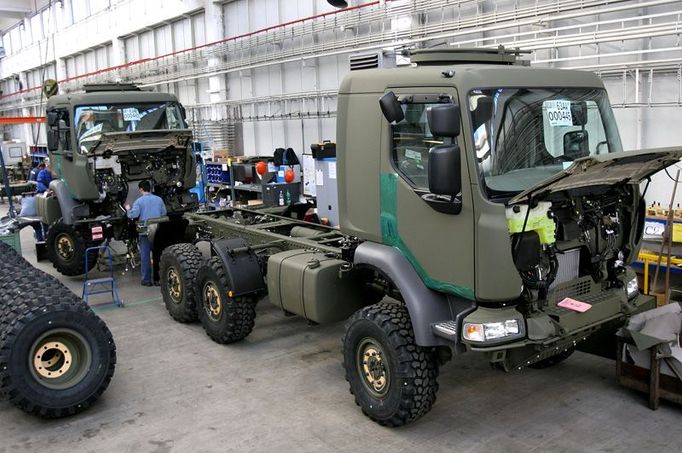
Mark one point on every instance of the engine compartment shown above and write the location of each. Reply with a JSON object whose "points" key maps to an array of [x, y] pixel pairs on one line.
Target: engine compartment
{"points": [[115, 175], [573, 234]]}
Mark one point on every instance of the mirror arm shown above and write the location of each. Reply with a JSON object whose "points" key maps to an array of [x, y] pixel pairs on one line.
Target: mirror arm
{"points": [[442, 204]]}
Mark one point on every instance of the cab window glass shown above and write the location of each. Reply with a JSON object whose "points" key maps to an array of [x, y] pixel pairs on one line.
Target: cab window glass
{"points": [[411, 141]]}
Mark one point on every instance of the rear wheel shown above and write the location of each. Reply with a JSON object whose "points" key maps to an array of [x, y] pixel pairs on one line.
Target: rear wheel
{"points": [[178, 268], [394, 381], [66, 249], [225, 318]]}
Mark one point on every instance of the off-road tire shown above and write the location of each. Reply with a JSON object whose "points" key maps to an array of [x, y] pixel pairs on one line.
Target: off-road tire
{"points": [[9, 263], [74, 264], [411, 382], [64, 331], [178, 268], [554, 360], [25, 290], [233, 318], [10, 257]]}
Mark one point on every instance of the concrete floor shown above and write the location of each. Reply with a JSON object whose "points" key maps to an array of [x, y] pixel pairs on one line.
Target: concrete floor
{"points": [[283, 389]]}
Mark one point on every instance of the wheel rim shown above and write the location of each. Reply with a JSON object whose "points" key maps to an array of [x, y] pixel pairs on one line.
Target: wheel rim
{"points": [[212, 302], [373, 368], [174, 285], [60, 359], [65, 246]]}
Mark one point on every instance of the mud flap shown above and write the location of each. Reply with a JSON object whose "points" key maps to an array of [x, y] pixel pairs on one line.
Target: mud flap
{"points": [[242, 266]]}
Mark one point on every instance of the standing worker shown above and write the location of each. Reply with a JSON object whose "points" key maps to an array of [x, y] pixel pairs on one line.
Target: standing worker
{"points": [[33, 175], [44, 177], [147, 206]]}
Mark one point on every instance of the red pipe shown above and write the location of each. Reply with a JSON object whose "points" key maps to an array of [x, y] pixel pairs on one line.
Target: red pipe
{"points": [[6, 120], [221, 41]]}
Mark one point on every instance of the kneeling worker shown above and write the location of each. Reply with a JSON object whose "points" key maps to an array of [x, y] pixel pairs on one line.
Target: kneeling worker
{"points": [[147, 206]]}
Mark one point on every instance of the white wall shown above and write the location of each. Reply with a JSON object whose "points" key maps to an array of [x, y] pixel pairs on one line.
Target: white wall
{"points": [[85, 36]]}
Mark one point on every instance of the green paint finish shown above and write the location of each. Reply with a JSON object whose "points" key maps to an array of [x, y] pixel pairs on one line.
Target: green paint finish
{"points": [[391, 236]]}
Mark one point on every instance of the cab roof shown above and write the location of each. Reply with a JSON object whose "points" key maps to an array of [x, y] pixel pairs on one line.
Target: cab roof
{"points": [[109, 97], [465, 77]]}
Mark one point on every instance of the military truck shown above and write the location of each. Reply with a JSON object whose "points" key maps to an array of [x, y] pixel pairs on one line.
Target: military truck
{"points": [[485, 206], [101, 142]]}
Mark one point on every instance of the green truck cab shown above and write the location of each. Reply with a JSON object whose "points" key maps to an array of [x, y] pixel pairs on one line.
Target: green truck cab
{"points": [[484, 206], [101, 143], [493, 195]]}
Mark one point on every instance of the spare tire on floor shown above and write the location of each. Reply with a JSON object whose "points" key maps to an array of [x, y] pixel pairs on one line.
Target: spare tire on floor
{"points": [[27, 290], [56, 358], [177, 269]]}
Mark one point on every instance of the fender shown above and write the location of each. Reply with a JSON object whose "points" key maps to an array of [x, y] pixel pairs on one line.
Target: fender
{"points": [[425, 306], [66, 202], [241, 264]]}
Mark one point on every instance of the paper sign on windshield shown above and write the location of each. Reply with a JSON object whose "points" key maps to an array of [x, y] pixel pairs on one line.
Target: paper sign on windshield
{"points": [[558, 112], [131, 114]]}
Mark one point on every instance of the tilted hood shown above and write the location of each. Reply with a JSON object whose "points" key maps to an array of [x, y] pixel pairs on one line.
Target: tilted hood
{"points": [[630, 167], [157, 140]]}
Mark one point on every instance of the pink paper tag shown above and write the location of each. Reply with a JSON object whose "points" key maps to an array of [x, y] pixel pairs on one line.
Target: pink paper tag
{"points": [[575, 305]]}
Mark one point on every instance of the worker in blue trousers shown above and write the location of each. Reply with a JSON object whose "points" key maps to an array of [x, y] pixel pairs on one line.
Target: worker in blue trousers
{"points": [[147, 206]]}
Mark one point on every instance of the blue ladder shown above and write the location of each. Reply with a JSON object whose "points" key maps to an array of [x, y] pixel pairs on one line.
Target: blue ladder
{"points": [[101, 285]]}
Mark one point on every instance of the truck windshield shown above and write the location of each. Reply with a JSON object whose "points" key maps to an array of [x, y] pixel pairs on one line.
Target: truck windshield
{"points": [[525, 135], [93, 120]]}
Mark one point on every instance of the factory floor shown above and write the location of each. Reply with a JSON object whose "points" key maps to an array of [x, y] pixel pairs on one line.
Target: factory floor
{"points": [[283, 389]]}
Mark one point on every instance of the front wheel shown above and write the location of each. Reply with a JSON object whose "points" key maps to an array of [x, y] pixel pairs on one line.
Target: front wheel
{"points": [[394, 380], [66, 250]]}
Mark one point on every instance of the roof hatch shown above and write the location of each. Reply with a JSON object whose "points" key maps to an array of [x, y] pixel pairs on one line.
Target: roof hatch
{"points": [[453, 55]]}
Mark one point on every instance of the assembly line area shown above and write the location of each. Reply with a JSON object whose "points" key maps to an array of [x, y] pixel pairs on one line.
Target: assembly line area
{"points": [[340, 225], [283, 388]]}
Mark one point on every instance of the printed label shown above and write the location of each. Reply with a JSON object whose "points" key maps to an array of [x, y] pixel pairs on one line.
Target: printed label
{"points": [[558, 113]]}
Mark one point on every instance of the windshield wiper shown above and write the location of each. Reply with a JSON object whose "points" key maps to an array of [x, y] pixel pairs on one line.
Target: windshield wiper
{"points": [[501, 194]]}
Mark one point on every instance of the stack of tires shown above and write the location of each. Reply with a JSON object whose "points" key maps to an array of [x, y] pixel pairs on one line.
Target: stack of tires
{"points": [[56, 355]]}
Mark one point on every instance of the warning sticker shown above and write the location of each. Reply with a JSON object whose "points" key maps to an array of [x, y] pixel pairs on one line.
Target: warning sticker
{"points": [[558, 113], [131, 114]]}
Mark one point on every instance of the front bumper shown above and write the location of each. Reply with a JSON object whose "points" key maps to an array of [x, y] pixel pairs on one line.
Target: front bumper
{"points": [[551, 330]]}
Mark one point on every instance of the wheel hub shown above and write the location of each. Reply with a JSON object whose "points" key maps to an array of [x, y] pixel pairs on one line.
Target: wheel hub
{"points": [[373, 368], [60, 359], [174, 285], [52, 360], [212, 302], [65, 246]]}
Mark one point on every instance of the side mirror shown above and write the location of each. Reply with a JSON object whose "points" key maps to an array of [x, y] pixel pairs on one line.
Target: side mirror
{"points": [[483, 111], [52, 139], [444, 120], [445, 179], [576, 144], [52, 118], [63, 126], [579, 113], [445, 170], [390, 107]]}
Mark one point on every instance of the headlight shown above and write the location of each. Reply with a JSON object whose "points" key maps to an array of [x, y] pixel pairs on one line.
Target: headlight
{"points": [[632, 288], [488, 331]]}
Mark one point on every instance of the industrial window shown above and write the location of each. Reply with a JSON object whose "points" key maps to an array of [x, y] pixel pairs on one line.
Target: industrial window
{"points": [[412, 139]]}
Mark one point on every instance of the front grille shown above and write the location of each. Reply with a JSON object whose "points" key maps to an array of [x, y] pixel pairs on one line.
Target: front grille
{"points": [[583, 289]]}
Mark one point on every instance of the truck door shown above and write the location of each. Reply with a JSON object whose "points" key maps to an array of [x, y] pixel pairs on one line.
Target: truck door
{"points": [[439, 246]]}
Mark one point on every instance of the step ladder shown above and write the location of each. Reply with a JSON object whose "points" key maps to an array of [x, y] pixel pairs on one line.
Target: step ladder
{"points": [[101, 285]]}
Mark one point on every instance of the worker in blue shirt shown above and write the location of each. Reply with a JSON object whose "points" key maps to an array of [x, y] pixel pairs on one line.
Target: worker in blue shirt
{"points": [[147, 206], [44, 177], [33, 175]]}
